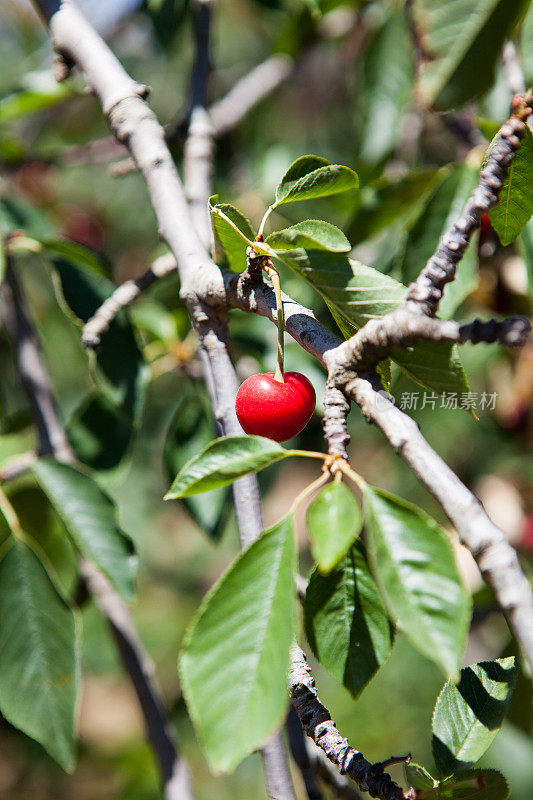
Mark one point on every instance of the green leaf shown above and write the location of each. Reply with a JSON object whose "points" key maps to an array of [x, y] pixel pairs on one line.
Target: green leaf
{"points": [[462, 42], [75, 253], [222, 462], [121, 371], [19, 214], [476, 784], [390, 200], [334, 520], [235, 656], [388, 79], [230, 249], [310, 177], [191, 430], [468, 715], [312, 233], [90, 519], [414, 566], [488, 127], [345, 622], [441, 211], [515, 206], [418, 777], [45, 93], [356, 293], [39, 670]]}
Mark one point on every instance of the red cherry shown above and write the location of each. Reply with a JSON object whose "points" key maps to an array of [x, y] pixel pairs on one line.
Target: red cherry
{"points": [[485, 231], [526, 536], [267, 407]]}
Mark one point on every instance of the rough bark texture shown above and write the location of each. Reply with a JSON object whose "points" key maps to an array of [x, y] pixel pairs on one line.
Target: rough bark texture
{"points": [[317, 723], [425, 293]]}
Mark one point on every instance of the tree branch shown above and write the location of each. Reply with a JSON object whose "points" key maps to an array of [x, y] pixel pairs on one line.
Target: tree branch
{"points": [[425, 293], [225, 114], [52, 440], [493, 553], [247, 93], [400, 329], [318, 725], [123, 297], [300, 754], [174, 771]]}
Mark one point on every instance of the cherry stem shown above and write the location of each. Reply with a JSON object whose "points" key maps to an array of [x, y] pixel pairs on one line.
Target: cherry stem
{"points": [[265, 217], [344, 467], [316, 484], [274, 277], [308, 454], [235, 227]]}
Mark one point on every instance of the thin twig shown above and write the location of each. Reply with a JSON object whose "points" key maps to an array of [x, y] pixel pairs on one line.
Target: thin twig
{"points": [[174, 771], [424, 295], [123, 297], [401, 329], [16, 466], [247, 93]]}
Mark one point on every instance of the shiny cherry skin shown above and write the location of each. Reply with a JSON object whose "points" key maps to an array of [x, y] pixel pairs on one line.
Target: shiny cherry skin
{"points": [[486, 229], [267, 407]]}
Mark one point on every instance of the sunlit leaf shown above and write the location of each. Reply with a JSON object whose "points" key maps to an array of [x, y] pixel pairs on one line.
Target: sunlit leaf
{"points": [[388, 79], [230, 248], [334, 519], [515, 206], [312, 233], [76, 253], [222, 462], [45, 93], [468, 716], [462, 41], [235, 655], [415, 569], [310, 177], [418, 777]]}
